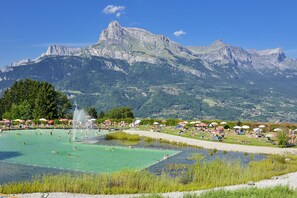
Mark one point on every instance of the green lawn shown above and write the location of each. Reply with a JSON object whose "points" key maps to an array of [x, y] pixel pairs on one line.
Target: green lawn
{"points": [[230, 137]]}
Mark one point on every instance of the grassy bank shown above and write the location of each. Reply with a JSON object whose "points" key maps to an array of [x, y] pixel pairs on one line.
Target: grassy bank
{"points": [[230, 137], [273, 192], [135, 138], [122, 136], [198, 176]]}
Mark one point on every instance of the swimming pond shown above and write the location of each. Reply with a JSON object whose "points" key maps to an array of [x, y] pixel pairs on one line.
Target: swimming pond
{"points": [[53, 149]]}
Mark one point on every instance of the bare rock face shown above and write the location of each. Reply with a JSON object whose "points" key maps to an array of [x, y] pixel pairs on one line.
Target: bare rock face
{"points": [[221, 54], [58, 50], [136, 45], [139, 45]]}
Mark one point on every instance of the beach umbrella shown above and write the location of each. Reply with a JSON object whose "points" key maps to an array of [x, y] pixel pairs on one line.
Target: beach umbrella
{"points": [[6, 121], [245, 127], [63, 120], [277, 129], [223, 123], [155, 123], [262, 126], [237, 127], [220, 128], [193, 122], [18, 120], [50, 122], [202, 125], [137, 121], [43, 120], [214, 123], [27, 121], [257, 130]]}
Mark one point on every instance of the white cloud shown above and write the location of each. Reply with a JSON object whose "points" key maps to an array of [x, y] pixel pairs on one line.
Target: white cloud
{"points": [[118, 14], [112, 9], [179, 33]]}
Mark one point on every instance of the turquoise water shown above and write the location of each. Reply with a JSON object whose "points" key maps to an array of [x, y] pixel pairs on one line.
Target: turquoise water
{"points": [[42, 149]]}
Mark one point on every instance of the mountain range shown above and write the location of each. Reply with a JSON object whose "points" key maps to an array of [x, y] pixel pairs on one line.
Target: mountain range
{"points": [[161, 78]]}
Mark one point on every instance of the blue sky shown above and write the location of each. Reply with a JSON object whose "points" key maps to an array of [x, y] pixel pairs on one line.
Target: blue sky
{"points": [[27, 27]]}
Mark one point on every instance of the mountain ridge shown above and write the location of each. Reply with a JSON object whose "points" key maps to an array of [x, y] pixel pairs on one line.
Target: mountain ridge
{"points": [[159, 77], [113, 43]]}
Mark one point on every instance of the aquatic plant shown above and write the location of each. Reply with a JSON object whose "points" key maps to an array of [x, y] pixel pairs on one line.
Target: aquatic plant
{"points": [[122, 136], [201, 175]]}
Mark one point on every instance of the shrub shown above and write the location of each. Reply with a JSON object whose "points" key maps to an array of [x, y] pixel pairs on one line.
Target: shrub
{"points": [[283, 139]]}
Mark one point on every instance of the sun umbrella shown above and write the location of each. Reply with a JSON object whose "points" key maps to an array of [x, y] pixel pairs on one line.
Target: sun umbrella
{"points": [[43, 119], [137, 122], [214, 123], [223, 123], [202, 125], [155, 123], [6, 121], [237, 127], [51, 122], [245, 127], [277, 129], [18, 120], [262, 126], [192, 122]]}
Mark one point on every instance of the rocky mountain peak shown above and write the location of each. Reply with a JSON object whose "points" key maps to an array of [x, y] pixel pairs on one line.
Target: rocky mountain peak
{"points": [[59, 50], [218, 43], [114, 31]]}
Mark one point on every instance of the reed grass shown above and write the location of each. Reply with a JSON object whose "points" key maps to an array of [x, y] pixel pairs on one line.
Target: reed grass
{"points": [[201, 175], [122, 136]]}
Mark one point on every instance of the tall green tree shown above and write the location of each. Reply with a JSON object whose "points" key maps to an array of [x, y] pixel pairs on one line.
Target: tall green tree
{"points": [[92, 112], [27, 99], [120, 112]]}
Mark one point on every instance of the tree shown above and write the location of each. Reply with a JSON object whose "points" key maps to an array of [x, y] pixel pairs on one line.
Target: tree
{"points": [[120, 112], [101, 114], [27, 99], [21, 111], [92, 112]]}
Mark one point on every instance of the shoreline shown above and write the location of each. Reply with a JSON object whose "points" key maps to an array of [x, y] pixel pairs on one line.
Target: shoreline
{"points": [[214, 145], [284, 180]]}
